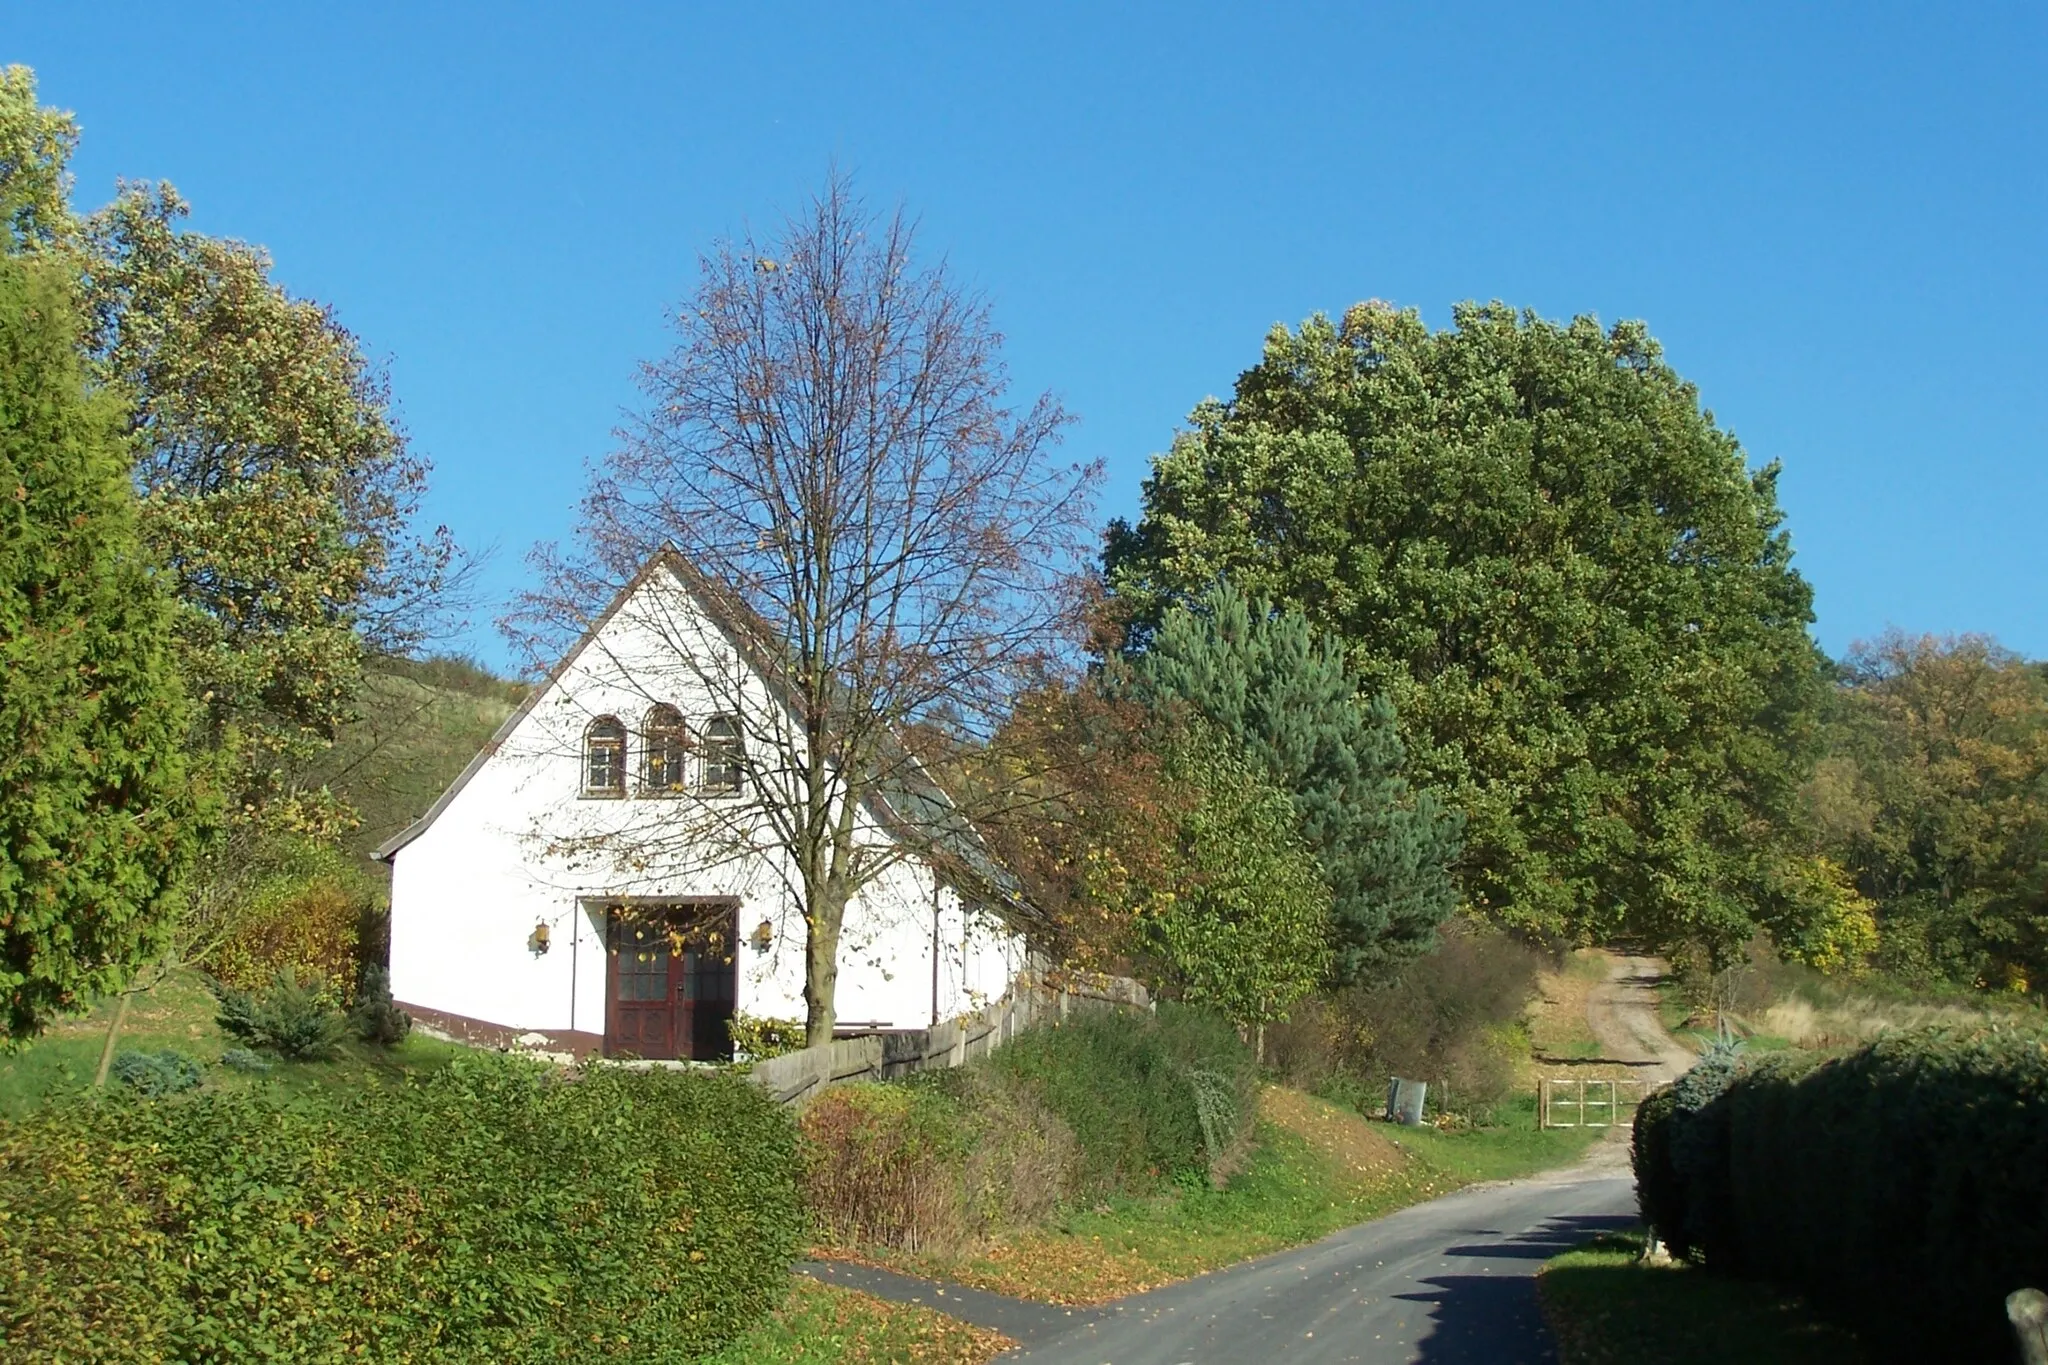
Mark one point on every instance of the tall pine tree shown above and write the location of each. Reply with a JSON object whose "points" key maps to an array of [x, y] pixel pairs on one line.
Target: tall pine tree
{"points": [[1265, 680], [95, 824]]}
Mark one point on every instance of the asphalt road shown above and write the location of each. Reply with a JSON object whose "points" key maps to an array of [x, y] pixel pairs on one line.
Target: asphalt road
{"points": [[1448, 1282]]}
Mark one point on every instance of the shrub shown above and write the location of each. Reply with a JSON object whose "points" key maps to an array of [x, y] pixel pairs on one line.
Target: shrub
{"points": [[1134, 1089], [884, 1165], [492, 1210], [1699, 1147], [1660, 1192], [150, 1074], [1449, 1018], [1904, 1185], [296, 1020], [1681, 1156], [761, 1039], [242, 1059], [304, 911], [375, 1017], [934, 1162]]}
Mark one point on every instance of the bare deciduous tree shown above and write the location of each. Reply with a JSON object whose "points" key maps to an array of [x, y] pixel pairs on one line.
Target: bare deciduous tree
{"points": [[830, 448]]}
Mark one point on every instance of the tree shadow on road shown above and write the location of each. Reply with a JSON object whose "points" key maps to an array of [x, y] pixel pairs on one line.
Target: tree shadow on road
{"points": [[1493, 1318]]}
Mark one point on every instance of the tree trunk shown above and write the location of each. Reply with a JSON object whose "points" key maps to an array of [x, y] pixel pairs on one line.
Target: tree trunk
{"points": [[99, 1078], [821, 972]]}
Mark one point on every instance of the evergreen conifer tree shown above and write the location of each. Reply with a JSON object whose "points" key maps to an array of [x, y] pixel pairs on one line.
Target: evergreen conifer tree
{"points": [[1267, 681], [95, 812]]}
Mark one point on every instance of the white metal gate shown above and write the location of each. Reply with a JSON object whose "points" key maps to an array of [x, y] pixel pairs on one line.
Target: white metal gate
{"points": [[1579, 1103]]}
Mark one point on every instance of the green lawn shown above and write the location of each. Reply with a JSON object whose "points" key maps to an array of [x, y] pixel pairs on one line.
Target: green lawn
{"points": [[1506, 1146], [179, 1014], [1607, 1307]]}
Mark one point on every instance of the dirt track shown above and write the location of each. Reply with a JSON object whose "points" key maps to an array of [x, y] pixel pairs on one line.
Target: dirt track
{"points": [[1622, 1012]]}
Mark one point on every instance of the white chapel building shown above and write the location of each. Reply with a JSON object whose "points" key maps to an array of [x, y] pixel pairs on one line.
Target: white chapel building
{"points": [[602, 873]]}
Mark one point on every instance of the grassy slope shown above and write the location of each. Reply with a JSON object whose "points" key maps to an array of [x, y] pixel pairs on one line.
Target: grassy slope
{"points": [[419, 724], [1559, 1034], [179, 1014], [1316, 1168], [1608, 1308], [1778, 1005], [1510, 1146]]}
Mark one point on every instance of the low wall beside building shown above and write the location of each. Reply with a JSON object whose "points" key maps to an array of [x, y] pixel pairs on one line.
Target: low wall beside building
{"points": [[1033, 997]]}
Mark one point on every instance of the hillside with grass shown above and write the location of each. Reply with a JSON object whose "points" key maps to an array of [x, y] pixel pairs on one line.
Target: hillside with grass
{"points": [[417, 723]]}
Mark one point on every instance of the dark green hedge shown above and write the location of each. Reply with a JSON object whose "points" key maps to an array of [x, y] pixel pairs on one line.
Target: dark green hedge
{"points": [[1904, 1186], [492, 1211]]}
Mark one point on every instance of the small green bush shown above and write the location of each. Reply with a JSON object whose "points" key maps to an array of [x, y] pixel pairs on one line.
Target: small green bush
{"points": [[1680, 1153], [883, 1166], [150, 1074], [242, 1059], [492, 1210], [295, 1019], [375, 1017], [300, 906], [1133, 1089], [1903, 1186], [762, 1038]]}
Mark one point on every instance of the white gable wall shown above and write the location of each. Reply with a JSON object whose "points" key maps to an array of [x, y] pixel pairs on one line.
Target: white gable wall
{"points": [[502, 857]]}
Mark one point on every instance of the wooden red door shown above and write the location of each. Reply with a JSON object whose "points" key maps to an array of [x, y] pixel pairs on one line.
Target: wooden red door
{"points": [[671, 983], [640, 1012]]}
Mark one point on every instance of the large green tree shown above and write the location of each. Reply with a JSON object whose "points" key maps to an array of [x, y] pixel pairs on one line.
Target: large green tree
{"points": [[96, 817], [1560, 570], [1282, 692], [276, 487]]}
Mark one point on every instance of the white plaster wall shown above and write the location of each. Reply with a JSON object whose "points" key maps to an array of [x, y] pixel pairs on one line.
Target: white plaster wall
{"points": [[520, 845]]}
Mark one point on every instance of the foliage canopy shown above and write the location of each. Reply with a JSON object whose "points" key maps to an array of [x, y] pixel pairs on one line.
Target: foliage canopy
{"points": [[1933, 797], [1243, 926], [1560, 571], [278, 489]]}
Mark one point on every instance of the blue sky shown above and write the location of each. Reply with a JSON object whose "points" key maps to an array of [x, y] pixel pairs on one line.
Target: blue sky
{"points": [[1835, 218]]}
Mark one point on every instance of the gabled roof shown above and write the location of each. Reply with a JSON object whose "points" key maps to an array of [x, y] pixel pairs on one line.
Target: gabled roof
{"points": [[914, 808]]}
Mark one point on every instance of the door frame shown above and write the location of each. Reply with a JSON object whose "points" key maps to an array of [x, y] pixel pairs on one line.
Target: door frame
{"points": [[696, 918]]}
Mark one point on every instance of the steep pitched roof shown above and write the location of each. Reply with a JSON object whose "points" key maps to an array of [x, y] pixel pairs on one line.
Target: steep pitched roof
{"points": [[913, 807]]}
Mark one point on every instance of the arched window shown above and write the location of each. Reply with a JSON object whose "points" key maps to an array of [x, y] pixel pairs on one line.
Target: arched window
{"points": [[725, 755], [604, 758], [664, 751]]}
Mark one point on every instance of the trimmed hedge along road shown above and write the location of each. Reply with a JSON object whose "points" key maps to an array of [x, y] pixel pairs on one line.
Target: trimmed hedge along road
{"points": [[489, 1211], [1904, 1186]]}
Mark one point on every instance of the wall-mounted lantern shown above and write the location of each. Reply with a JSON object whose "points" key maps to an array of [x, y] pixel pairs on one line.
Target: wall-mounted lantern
{"points": [[537, 941], [763, 936]]}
